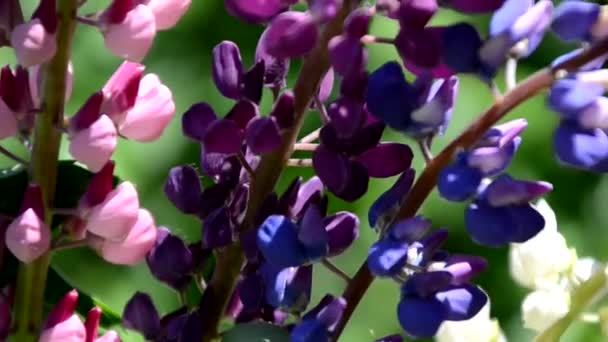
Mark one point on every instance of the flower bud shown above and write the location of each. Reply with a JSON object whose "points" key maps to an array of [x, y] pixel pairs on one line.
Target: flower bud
{"points": [[542, 308], [140, 314], [227, 69], [34, 41], [121, 90], [254, 11], [183, 188], [114, 218], [197, 119], [135, 246], [167, 12], [128, 32], [291, 34], [152, 112], [62, 324], [91, 323], [263, 135]]}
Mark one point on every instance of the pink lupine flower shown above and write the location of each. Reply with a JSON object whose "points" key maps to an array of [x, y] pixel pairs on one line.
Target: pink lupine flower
{"points": [[152, 112], [28, 236], [62, 324], [120, 92], [35, 83], [8, 122], [91, 325], [128, 30], [114, 218], [93, 137], [167, 12], [109, 336], [34, 41], [134, 248]]}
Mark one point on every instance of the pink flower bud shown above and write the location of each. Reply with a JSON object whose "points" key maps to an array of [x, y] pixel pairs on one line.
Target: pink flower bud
{"points": [[35, 81], [113, 218], [134, 248], [28, 237], [94, 146], [8, 122], [120, 92], [133, 36], [167, 12], [70, 330], [91, 324], [109, 336], [32, 43], [152, 113]]}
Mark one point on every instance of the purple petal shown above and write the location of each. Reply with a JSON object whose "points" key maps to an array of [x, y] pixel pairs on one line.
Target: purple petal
{"points": [[254, 11], [276, 69], [227, 68], [215, 197], [183, 188], [141, 315], [460, 47], [578, 147], [573, 20], [291, 34], [570, 96], [332, 168], [464, 267], [387, 257], [421, 46], [324, 10], [253, 82], [357, 23], [425, 284], [218, 230], [342, 230], [462, 303], [387, 159], [390, 338], [289, 287], [331, 314], [420, 317], [307, 192], [263, 135], [358, 181], [326, 86], [475, 6], [415, 14], [458, 182], [223, 136], [197, 119], [347, 54], [170, 260], [312, 234], [242, 112], [278, 242], [506, 191], [504, 18], [346, 116], [354, 86], [409, 230], [284, 110], [391, 198]]}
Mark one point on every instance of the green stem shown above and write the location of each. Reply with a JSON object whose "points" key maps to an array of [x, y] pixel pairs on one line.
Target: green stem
{"points": [[231, 259], [28, 308], [580, 299], [525, 90]]}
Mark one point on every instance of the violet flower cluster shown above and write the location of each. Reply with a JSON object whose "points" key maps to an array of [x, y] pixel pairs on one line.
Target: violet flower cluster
{"points": [[259, 246]]}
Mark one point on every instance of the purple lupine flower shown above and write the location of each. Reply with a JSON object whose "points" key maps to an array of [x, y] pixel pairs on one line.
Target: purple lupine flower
{"points": [[347, 53], [391, 199], [417, 109], [319, 323], [140, 314], [324, 10], [502, 213], [291, 34], [474, 6], [183, 188], [276, 69], [579, 20], [430, 298], [227, 69], [284, 110], [255, 11], [170, 260], [287, 288], [460, 45], [517, 28]]}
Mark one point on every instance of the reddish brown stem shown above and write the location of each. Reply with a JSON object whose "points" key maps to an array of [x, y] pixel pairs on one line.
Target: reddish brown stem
{"points": [[534, 84]]}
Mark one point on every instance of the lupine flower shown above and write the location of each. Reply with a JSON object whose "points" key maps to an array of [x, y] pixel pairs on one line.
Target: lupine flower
{"points": [[347, 53], [116, 215], [227, 69], [34, 41], [15, 102], [390, 338], [134, 247], [579, 20], [140, 314], [167, 12], [276, 69], [541, 259], [91, 325], [35, 79], [475, 6], [543, 307], [287, 288], [183, 188], [480, 328], [170, 260], [8, 122], [417, 109], [583, 269], [120, 91], [255, 11], [319, 323], [93, 136], [62, 323], [291, 34], [384, 206], [128, 29], [28, 236], [11, 17]]}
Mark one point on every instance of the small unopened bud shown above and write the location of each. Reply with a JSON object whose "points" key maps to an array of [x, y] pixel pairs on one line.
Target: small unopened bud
{"points": [[542, 308], [167, 12]]}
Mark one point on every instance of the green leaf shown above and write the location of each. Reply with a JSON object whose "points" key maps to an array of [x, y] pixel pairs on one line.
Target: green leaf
{"points": [[256, 332]]}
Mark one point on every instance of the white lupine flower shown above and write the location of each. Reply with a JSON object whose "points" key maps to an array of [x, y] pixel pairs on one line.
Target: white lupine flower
{"points": [[583, 269], [542, 308], [480, 328], [541, 259]]}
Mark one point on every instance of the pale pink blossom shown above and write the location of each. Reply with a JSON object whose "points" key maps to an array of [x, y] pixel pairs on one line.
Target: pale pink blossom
{"points": [[94, 145], [114, 218], [134, 248], [28, 237], [152, 112], [120, 92], [32, 43], [70, 330], [109, 336], [167, 12], [132, 37], [35, 81], [8, 122]]}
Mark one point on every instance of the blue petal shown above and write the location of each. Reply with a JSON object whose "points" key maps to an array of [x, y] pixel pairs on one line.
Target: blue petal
{"points": [[458, 182], [425, 284], [572, 20], [287, 287], [528, 222], [392, 197], [278, 242], [386, 257], [569, 96], [312, 234], [420, 317], [463, 302], [504, 18], [578, 147]]}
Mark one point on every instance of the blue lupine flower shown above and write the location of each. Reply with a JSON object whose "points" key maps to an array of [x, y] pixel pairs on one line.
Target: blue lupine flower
{"points": [[289, 287], [577, 20], [391, 199], [318, 324]]}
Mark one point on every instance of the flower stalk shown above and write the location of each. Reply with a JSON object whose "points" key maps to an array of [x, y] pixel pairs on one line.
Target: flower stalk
{"points": [[29, 300], [525, 90]]}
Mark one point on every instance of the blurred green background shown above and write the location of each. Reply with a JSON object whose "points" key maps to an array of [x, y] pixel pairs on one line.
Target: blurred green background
{"points": [[181, 57]]}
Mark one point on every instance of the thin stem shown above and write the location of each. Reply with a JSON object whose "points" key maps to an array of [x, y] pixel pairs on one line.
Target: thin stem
{"points": [[230, 260], [305, 147], [13, 156], [534, 84], [241, 157], [511, 73], [336, 270], [31, 279], [367, 39], [425, 148], [322, 110], [310, 137], [87, 21], [299, 162], [61, 245]]}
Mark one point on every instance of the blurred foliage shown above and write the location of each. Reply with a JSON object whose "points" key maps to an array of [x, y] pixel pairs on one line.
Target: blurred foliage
{"points": [[181, 57]]}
